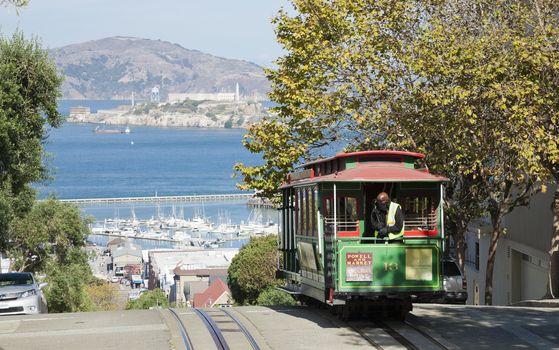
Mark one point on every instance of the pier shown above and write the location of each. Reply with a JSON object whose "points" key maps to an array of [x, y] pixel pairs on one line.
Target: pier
{"points": [[159, 199], [146, 237]]}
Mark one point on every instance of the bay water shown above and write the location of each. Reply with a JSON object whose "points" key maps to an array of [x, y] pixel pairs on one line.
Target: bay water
{"points": [[147, 162]]}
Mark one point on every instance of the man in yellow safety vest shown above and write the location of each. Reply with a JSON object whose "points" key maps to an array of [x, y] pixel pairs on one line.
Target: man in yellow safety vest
{"points": [[387, 218]]}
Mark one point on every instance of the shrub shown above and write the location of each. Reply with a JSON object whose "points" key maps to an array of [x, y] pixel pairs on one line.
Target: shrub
{"points": [[272, 296]]}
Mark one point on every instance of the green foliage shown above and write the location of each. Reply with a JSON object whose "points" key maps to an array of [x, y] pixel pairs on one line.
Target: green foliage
{"points": [[51, 230], [29, 86], [228, 124], [253, 269], [471, 84], [272, 296], [65, 291], [149, 299]]}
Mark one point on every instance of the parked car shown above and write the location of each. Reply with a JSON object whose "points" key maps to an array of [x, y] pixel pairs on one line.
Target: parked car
{"points": [[21, 294], [454, 283]]}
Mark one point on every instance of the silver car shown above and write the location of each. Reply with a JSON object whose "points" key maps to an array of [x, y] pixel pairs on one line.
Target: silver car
{"points": [[21, 294], [454, 283]]}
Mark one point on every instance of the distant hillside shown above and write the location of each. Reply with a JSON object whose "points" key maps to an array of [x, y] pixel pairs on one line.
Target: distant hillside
{"points": [[114, 68]]}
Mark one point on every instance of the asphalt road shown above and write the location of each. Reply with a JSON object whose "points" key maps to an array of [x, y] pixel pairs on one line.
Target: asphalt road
{"points": [[282, 328]]}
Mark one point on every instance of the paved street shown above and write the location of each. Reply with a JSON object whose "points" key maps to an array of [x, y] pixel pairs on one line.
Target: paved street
{"points": [[283, 328]]}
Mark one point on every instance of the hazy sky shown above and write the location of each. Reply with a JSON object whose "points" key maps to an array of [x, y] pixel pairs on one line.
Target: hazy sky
{"points": [[232, 29]]}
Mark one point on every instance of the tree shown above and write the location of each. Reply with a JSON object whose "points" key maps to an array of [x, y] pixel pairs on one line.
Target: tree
{"points": [[65, 291], [16, 3], [50, 231], [465, 82], [341, 67], [253, 269], [535, 48], [149, 299], [438, 77], [29, 88]]}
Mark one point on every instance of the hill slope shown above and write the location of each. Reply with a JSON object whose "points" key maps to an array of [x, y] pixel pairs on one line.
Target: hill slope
{"points": [[116, 67]]}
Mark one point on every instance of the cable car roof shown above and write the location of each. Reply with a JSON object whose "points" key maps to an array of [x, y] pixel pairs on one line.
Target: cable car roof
{"points": [[379, 153], [373, 173], [367, 166]]}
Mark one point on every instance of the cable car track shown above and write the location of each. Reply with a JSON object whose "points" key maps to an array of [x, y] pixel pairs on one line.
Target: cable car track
{"points": [[213, 329], [219, 329], [182, 328], [398, 334]]}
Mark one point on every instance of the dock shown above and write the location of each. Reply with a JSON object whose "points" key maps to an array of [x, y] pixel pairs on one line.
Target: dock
{"points": [[161, 199]]}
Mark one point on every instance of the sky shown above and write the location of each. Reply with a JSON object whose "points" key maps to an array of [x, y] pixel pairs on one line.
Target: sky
{"points": [[238, 29]]}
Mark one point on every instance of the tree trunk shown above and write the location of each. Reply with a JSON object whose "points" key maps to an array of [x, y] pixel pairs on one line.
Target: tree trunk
{"points": [[460, 248], [495, 235], [553, 277]]}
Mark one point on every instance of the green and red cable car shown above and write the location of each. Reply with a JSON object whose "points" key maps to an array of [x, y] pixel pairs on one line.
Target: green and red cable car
{"points": [[329, 254]]}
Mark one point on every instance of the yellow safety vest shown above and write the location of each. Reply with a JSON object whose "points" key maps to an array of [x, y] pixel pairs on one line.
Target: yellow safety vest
{"points": [[391, 220]]}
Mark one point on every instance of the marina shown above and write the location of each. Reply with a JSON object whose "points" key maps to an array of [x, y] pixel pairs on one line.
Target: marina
{"points": [[173, 230]]}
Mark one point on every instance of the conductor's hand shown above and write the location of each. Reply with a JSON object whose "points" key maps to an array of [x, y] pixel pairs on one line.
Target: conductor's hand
{"points": [[382, 232]]}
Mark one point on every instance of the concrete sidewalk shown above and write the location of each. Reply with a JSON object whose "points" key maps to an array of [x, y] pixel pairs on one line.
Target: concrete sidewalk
{"points": [[538, 303]]}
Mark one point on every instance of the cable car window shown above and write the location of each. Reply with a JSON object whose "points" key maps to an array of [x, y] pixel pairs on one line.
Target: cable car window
{"points": [[304, 211], [419, 213], [298, 211], [347, 211], [315, 209]]}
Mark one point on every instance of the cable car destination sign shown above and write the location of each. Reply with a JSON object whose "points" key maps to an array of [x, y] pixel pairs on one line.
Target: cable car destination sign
{"points": [[359, 266]]}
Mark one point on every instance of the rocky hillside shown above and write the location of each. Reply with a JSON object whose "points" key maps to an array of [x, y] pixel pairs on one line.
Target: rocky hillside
{"points": [[114, 68]]}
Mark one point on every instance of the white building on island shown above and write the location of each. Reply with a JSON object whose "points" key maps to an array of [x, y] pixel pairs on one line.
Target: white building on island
{"points": [[204, 96]]}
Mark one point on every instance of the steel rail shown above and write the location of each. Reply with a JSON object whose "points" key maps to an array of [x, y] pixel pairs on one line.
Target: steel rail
{"points": [[243, 329], [214, 330], [426, 335], [397, 336], [182, 328], [367, 338], [405, 341]]}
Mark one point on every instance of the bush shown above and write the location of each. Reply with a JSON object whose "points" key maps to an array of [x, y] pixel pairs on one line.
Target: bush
{"points": [[149, 299], [253, 269], [103, 296], [272, 296], [66, 288]]}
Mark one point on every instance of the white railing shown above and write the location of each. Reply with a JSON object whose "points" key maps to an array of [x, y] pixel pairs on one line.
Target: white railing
{"points": [[420, 222], [343, 222]]}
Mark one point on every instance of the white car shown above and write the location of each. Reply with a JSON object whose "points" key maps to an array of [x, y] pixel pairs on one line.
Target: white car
{"points": [[115, 279], [21, 294]]}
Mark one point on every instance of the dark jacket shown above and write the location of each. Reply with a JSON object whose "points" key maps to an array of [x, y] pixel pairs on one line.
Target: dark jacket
{"points": [[378, 222]]}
